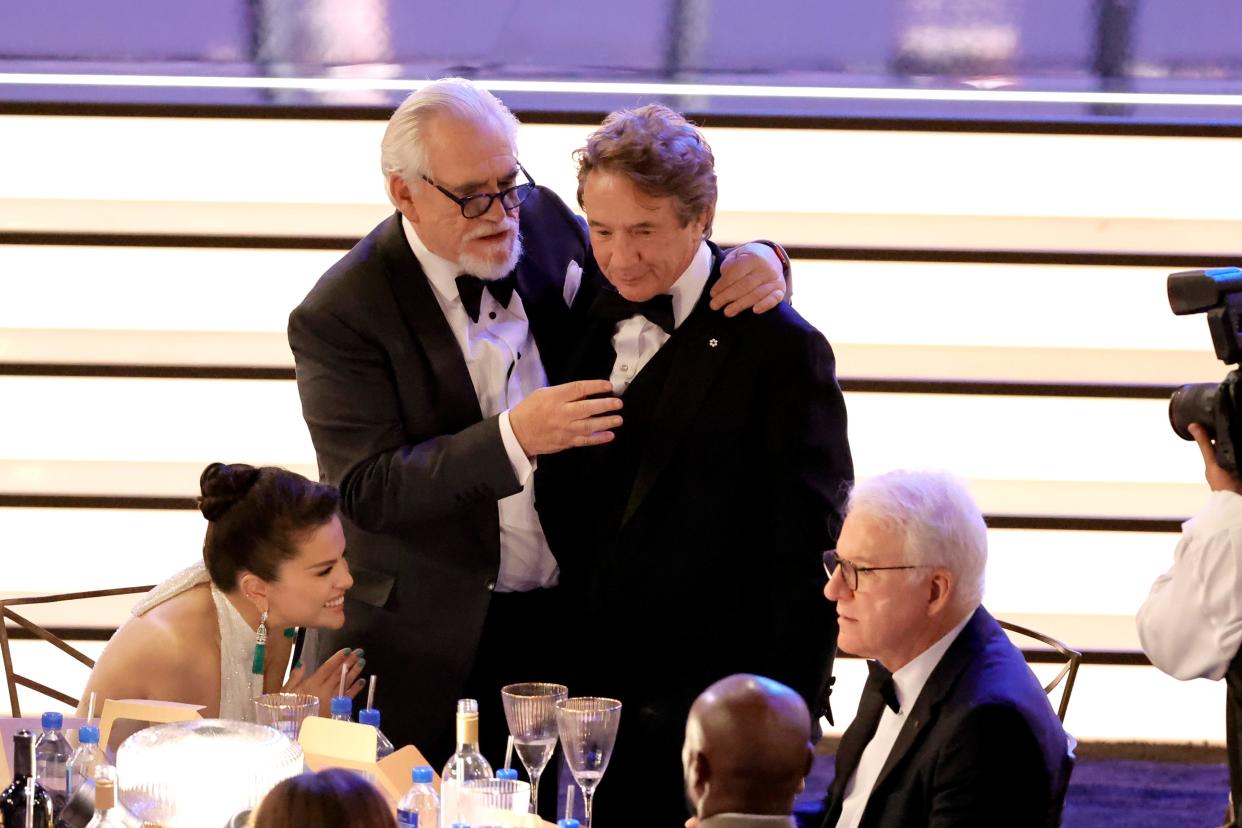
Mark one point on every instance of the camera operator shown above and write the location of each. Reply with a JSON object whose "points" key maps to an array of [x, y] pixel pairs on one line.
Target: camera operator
{"points": [[1190, 626]]}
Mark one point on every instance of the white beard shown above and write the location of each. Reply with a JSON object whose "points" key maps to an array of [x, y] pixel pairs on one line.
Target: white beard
{"points": [[490, 270]]}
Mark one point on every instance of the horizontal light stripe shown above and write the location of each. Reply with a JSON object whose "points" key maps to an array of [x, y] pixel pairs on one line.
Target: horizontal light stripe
{"points": [[859, 302], [1108, 704], [569, 87], [1001, 438], [848, 172], [1032, 574]]}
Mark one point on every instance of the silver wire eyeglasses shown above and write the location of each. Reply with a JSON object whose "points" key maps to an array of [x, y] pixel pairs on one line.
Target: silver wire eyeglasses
{"points": [[850, 570]]}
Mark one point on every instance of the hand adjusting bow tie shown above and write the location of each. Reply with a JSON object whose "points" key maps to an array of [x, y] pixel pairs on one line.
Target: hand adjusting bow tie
{"points": [[614, 307], [470, 288], [880, 682]]}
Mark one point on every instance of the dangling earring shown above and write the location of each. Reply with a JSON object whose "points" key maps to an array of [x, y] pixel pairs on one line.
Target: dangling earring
{"points": [[260, 646]]}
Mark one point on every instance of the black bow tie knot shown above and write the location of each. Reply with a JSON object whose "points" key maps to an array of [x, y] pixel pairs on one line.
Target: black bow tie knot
{"points": [[880, 683], [614, 307], [470, 288]]}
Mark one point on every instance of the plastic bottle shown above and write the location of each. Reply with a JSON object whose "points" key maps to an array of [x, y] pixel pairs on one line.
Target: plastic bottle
{"points": [[342, 708], [467, 764], [84, 761], [420, 807], [371, 716], [507, 773], [52, 759], [567, 822]]}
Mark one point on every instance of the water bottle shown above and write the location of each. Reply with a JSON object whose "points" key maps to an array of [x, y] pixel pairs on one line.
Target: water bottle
{"points": [[52, 759], [567, 822], [507, 773], [342, 709], [420, 806], [467, 764], [371, 716], [84, 761]]}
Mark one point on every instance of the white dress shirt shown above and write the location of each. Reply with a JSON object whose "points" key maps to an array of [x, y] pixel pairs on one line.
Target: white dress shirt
{"points": [[637, 339], [504, 366], [1190, 626], [908, 682]]}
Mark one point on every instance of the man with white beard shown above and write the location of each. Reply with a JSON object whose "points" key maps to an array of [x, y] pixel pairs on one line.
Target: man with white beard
{"points": [[423, 363]]}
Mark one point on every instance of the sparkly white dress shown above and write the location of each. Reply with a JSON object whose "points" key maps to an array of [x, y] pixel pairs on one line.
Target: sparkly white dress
{"points": [[238, 686]]}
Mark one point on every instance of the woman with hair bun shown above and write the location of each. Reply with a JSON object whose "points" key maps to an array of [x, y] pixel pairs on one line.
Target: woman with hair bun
{"points": [[222, 631]]}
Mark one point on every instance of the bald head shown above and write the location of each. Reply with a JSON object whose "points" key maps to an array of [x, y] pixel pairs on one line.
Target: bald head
{"points": [[747, 748]]}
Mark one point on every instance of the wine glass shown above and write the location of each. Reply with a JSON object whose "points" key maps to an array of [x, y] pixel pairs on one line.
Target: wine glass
{"points": [[530, 709], [588, 730]]}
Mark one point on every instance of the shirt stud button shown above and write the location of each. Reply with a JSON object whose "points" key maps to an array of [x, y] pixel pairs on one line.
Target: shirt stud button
{"points": [[491, 315]]}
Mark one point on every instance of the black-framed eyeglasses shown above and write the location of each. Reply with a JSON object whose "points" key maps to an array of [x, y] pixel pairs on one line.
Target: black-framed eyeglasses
{"points": [[477, 205], [850, 570]]}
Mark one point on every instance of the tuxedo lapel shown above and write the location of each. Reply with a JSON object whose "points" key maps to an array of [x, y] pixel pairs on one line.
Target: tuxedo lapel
{"points": [[455, 394], [702, 346], [956, 659]]}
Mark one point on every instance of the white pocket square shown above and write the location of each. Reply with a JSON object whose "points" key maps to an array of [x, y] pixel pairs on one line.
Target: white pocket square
{"points": [[573, 281]]}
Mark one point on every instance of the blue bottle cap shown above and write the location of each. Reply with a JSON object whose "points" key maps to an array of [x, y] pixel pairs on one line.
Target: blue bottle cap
{"points": [[53, 721], [422, 774], [88, 735], [369, 715], [507, 773], [568, 822], [342, 706]]}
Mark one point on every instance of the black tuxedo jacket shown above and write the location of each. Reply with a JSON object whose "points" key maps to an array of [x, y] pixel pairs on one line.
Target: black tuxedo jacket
{"points": [[981, 746], [695, 537], [397, 427]]}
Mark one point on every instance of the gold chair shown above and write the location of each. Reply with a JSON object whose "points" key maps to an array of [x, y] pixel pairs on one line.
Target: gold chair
{"points": [[12, 677], [1068, 672]]}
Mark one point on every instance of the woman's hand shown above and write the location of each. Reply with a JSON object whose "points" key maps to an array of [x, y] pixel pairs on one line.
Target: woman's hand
{"points": [[325, 681]]}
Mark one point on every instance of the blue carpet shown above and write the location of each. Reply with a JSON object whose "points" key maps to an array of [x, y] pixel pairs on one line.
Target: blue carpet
{"points": [[1110, 793]]}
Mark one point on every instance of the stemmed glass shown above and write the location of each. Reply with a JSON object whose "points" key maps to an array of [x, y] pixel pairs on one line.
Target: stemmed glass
{"points": [[530, 709], [588, 730]]}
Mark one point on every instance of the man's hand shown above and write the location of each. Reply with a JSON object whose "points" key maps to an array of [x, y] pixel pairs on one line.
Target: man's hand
{"points": [[327, 679], [565, 416], [751, 276], [1218, 479]]}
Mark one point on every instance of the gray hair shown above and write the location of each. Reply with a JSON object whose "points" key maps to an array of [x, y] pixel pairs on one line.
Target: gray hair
{"points": [[937, 517], [403, 151]]}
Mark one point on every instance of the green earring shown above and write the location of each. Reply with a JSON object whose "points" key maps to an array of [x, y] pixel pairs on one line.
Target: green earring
{"points": [[260, 646]]}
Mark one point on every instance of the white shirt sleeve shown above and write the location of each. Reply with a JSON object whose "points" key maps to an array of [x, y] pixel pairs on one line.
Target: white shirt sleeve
{"points": [[1190, 626], [523, 468]]}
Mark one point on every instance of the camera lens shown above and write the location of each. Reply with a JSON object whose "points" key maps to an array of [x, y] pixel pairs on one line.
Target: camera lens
{"points": [[1194, 403]]}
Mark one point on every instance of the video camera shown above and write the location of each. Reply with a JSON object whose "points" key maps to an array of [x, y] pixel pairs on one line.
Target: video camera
{"points": [[1215, 407]]}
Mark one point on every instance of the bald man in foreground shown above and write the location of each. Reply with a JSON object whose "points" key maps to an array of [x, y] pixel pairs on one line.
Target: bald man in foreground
{"points": [[747, 751]]}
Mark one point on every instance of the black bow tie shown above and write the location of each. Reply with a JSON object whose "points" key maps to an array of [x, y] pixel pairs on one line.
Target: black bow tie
{"points": [[470, 288], [614, 307], [880, 682]]}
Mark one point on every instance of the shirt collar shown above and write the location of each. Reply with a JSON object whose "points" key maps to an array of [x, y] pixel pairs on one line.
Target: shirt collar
{"points": [[440, 272], [910, 679], [689, 285], [727, 820]]}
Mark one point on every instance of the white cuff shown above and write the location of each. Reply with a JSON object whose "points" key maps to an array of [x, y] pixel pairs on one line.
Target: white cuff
{"points": [[523, 468]]}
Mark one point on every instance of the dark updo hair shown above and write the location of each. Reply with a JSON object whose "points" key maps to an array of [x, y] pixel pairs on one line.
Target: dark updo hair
{"points": [[334, 798], [257, 517]]}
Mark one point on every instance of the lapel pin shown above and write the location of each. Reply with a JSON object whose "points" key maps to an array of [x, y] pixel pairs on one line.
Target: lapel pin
{"points": [[713, 342]]}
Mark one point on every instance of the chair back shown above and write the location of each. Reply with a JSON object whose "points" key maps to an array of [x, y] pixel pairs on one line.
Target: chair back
{"points": [[1068, 671], [12, 678]]}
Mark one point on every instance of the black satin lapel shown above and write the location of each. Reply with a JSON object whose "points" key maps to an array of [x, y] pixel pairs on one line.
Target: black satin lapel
{"points": [[426, 323], [701, 351], [939, 684]]}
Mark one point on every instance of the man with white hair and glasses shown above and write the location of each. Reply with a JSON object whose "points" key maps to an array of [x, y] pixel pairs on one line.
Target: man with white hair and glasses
{"points": [[426, 362], [952, 729]]}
